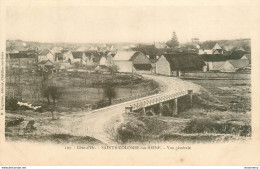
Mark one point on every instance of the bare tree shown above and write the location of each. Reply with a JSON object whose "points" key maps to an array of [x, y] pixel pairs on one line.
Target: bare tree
{"points": [[109, 92]]}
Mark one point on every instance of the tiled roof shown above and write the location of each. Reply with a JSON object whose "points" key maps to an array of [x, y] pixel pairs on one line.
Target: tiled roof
{"points": [[184, 60], [241, 63], [208, 45]]}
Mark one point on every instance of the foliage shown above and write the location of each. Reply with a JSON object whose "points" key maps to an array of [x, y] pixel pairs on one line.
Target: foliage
{"points": [[211, 126], [150, 50], [11, 104], [173, 43], [131, 131], [113, 69], [109, 92], [53, 92]]}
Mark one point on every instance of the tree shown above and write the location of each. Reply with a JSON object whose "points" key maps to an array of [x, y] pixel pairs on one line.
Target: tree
{"points": [[53, 92], [173, 43], [113, 69], [109, 92]]}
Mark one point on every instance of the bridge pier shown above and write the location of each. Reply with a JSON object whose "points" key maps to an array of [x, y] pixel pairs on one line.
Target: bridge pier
{"points": [[175, 106], [128, 109], [190, 93]]}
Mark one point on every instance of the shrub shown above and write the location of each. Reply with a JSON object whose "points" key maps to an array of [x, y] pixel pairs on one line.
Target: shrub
{"points": [[199, 126], [131, 131], [211, 126], [11, 104]]}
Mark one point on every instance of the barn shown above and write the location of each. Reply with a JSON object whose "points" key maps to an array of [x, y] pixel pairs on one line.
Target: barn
{"points": [[132, 61], [169, 64]]}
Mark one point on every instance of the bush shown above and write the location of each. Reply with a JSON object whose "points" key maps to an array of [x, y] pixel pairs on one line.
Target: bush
{"points": [[199, 126], [11, 104], [131, 131], [211, 126]]}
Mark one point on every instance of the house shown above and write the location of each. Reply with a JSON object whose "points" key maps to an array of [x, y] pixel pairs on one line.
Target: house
{"points": [[79, 57], [46, 65], [103, 60], [227, 63], [173, 64], [21, 60], [132, 61], [234, 55], [68, 56], [96, 58], [46, 55], [109, 59], [210, 48], [149, 50], [59, 57], [214, 61], [234, 65], [89, 58]]}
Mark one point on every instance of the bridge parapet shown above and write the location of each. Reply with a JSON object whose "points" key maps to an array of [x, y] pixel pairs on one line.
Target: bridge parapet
{"points": [[157, 99]]}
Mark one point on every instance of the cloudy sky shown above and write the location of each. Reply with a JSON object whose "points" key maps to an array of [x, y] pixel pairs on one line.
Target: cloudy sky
{"points": [[126, 24]]}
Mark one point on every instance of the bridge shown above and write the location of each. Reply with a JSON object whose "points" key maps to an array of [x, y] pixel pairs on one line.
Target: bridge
{"points": [[161, 104]]}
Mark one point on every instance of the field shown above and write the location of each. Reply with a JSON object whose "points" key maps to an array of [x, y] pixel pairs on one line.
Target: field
{"points": [[221, 112], [78, 89]]}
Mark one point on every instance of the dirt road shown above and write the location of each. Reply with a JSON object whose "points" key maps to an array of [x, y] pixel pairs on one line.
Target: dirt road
{"points": [[93, 123]]}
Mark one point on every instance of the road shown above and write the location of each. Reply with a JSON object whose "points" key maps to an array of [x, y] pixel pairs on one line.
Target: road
{"points": [[93, 123]]}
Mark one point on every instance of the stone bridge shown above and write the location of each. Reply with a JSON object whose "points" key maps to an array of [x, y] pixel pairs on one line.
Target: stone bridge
{"points": [[164, 105]]}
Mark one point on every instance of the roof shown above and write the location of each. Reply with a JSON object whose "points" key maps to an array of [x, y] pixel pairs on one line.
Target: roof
{"points": [[217, 65], [142, 66], [125, 55], [239, 63], [208, 45], [236, 55], [214, 58], [44, 62], [21, 55], [77, 54], [97, 57], [184, 60], [45, 52]]}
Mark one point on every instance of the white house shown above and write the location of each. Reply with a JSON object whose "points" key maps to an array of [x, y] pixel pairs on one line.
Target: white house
{"points": [[132, 61], [46, 55], [210, 48], [162, 66], [103, 61]]}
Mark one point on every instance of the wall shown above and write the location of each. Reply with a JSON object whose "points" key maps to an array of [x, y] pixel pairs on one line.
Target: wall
{"points": [[163, 67], [124, 66]]}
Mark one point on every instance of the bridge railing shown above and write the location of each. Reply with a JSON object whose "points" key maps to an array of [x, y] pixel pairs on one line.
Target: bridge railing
{"points": [[159, 99], [134, 97]]}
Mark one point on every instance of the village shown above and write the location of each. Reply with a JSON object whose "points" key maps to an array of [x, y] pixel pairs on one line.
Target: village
{"points": [[59, 79]]}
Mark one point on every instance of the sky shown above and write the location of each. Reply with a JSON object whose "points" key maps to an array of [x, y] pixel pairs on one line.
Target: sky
{"points": [[112, 24]]}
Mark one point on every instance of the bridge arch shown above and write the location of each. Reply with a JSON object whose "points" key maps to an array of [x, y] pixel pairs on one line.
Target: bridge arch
{"points": [[165, 111], [149, 113]]}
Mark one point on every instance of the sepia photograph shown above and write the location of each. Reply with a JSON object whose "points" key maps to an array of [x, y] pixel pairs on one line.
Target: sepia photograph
{"points": [[128, 77]]}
